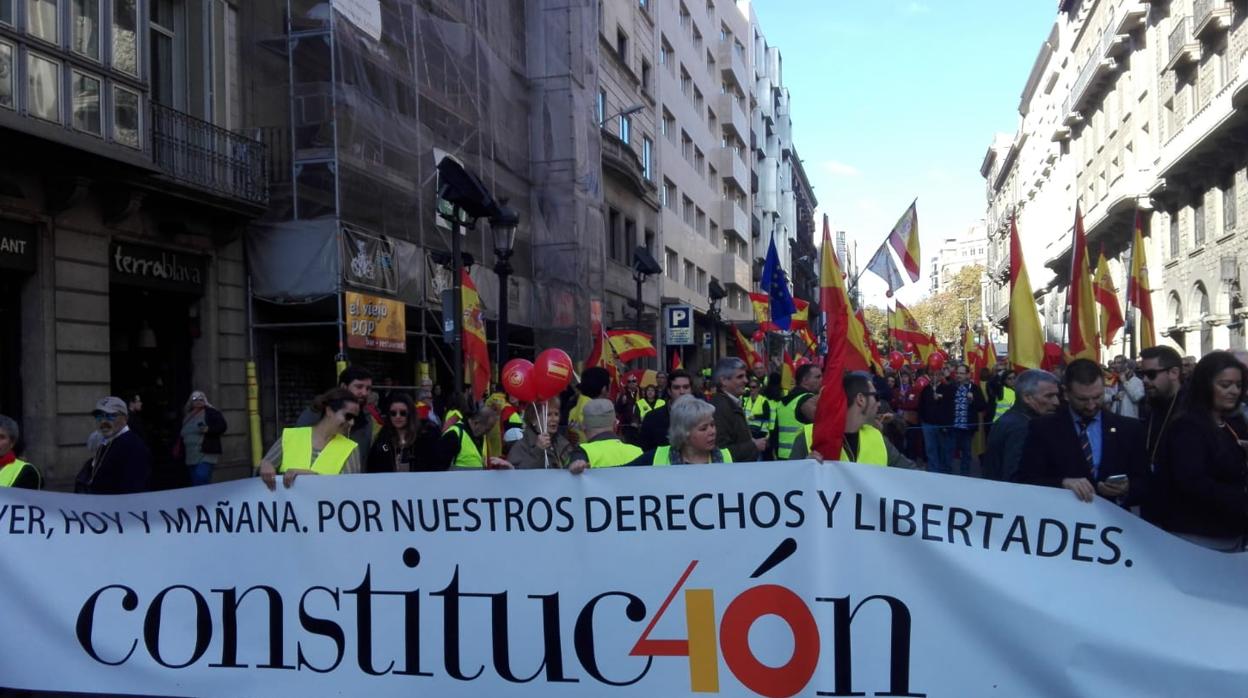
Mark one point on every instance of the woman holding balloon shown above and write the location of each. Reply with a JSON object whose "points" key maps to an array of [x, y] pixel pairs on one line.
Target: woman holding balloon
{"points": [[543, 445], [538, 383]]}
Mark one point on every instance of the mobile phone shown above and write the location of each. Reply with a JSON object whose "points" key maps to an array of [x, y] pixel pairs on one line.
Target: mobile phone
{"points": [[1115, 479]]}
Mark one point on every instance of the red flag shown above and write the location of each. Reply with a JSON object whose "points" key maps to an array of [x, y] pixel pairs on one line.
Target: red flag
{"points": [[745, 349], [476, 350], [1081, 341], [678, 362], [829, 429]]}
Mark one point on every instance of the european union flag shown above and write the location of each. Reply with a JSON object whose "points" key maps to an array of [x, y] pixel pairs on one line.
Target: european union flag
{"points": [[777, 286]]}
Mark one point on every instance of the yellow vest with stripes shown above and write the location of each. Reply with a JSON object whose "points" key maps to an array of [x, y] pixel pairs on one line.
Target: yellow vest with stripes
{"points": [[609, 453], [9, 473], [871, 448], [1005, 403], [297, 452], [663, 455], [788, 425], [469, 455], [763, 415]]}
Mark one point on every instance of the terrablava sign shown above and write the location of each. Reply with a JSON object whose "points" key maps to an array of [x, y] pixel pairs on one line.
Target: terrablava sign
{"points": [[157, 268]]}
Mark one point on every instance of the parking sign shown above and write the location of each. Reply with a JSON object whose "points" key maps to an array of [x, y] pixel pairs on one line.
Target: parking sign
{"points": [[678, 325]]}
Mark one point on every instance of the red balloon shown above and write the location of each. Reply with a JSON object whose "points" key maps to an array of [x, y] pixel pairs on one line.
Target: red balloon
{"points": [[909, 348], [896, 359], [759, 335], [936, 361], [518, 380], [551, 373]]}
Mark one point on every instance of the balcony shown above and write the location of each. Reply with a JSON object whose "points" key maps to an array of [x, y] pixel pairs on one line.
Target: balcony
{"points": [[1100, 66], [1184, 48], [733, 168], [732, 63], [731, 114], [1211, 17], [620, 159], [735, 271], [733, 220], [208, 158]]}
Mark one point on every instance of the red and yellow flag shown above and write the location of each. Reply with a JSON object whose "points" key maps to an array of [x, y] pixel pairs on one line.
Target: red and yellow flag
{"points": [[745, 348], [476, 350], [602, 354], [829, 428], [906, 329], [678, 361], [904, 239], [1139, 294], [788, 372], [808, 339], [801, 317], [1026, 342], [631, 344], [970, 352], [988, 352], [865, 346], [1081, 340], [761, 303], [1107, 298]]}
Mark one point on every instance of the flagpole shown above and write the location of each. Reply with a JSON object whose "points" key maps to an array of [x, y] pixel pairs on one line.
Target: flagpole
{"points": [[1128, 318]]}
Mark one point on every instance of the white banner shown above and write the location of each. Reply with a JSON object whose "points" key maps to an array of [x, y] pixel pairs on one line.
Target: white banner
{"points": [[737, 580]]}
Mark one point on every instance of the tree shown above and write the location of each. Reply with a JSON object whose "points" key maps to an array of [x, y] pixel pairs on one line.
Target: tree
{"points": [[945, 313], [877, 323]]}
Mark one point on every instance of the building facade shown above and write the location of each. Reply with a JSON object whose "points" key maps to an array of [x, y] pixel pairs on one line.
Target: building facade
{"points": [[965, 250]]}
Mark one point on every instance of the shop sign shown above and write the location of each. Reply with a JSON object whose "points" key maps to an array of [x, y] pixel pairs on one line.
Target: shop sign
{"points": [[368, 261], [157, 268], [17, 247], [375, 323]]}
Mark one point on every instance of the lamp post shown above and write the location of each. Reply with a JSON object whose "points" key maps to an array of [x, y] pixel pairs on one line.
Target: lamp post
{"points": [[503, 227], [627, 111], [718, 294], [643, 266]]}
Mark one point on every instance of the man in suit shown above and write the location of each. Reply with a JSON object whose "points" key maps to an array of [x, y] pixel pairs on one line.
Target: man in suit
{"points": [[732, 429], [1081, 447]]}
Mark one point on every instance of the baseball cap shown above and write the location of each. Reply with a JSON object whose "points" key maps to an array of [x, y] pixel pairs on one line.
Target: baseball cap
{"points": [[112, 405]]}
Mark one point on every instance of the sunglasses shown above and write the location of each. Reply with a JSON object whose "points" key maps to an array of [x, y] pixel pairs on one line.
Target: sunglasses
{"points": [[105, 416], [1154, 372], [398, 413]]}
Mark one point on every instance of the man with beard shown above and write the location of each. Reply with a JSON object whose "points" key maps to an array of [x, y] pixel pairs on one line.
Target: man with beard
{"points": [[1161, 369]]}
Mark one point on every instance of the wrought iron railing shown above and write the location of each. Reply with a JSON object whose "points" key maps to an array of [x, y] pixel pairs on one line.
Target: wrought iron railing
{"points": [[1180, 36], [198, 153]]}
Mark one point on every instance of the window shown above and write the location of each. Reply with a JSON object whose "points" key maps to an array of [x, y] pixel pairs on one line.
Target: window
{"points": [[700, 224], [6, 12], [602, 106], [650, 237], [697, 38], [671, 264], [41, 20], [665, 56], [669, 193], [125, 37], [697, 99], [626, 128], [668, 126], [710, 62], [1174, 233], [87, 117], [43, 99], [712, 178], [647, 153], [702, 281], [724, 32], [84, 23], [686, 210], [714, 234], [1198, 221], [166, 61], [644, 4], [646, 76], [686, 146], [1229, 205], [699, 161], [685, 19], [630, 241], [621, 45], [8, 76], [686, 82], [127, 124], [614, 243], [691, 280]]}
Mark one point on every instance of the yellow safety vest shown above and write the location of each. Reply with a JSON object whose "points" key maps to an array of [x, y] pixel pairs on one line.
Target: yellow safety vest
{"points": [[469, 455], [1005, 403], [788, 424], [609, 453], [644, 408], [871, 448], [9, 473], [453, 417], [663, 455], [763, 415], [297, 452]]}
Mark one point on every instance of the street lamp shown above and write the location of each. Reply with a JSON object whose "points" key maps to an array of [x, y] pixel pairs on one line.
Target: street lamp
{"points": [[717, 294], [503, 227], [643, 266], [627, 111]]}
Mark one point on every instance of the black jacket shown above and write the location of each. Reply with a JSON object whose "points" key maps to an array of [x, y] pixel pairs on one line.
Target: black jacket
{"points": [[1202, 478], [1052, 452], [948, 399], [123, 466], [215, 421], [383, 457], [1004, 454], [732, 429], [654, 427]]}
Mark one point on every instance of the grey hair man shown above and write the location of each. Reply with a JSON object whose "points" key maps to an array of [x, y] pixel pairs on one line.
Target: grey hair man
{"points": [[732, 428], [603, 447], [1037, 395]]}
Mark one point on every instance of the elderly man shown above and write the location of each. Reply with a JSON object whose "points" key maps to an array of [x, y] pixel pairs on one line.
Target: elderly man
{"points": [[1036, 395], [602, 447], [732, 429], [122, 463]]}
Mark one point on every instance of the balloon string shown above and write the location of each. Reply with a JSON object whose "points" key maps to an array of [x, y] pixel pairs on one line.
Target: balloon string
{"points": [[545, 420]]}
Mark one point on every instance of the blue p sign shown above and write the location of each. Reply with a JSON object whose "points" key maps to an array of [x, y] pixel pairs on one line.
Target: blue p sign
{"points": [[680, 317]]}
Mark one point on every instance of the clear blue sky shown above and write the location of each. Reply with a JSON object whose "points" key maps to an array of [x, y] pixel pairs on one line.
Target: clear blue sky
{"points": [[893, 99]]}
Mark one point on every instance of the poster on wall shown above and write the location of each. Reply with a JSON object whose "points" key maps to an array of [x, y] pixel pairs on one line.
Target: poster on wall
{"points": [[364, 14], [368, 261], [379, 324]]}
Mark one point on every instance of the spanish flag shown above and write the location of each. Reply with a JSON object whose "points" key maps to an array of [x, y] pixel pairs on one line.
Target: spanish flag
{"points": [[906, 329], [745, 348], [904, 239], [761, 303], [1081, 341], [476, 350], [1139, 294], [1107, 298], [864, 345], [829, 429], [1026, 343], [788, 372], [801, 318], [631, 344], [678, 361]]}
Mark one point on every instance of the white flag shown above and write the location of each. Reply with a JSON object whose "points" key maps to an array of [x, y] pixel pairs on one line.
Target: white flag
{"points": [[882, 266]]}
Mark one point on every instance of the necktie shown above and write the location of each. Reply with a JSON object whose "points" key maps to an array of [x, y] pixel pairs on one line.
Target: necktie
{"points": [[1086, 444]]}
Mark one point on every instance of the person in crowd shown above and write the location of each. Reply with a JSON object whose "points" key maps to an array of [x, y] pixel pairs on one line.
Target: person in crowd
{"points": [[752, 390], [1008, 396], [655, 426], [424, 402], [626, 409], [1127, 393], [1034, 394], [457, 405], [537, 450], [691, 438], [603, 447], [359, 382], [122, 463], [934, 416], [199, 442], [908, 407], [462, 446], [789, 423], [405, 439], [321, 449], [511, 416], [759, 371], [1083, 448], [660, 382], [732, 429], [1189, 365], [765, 410], [1160, 371], [595, 383], [863, 442], [649, 402], [964, 406], [1203, 475], [15, 472]]}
